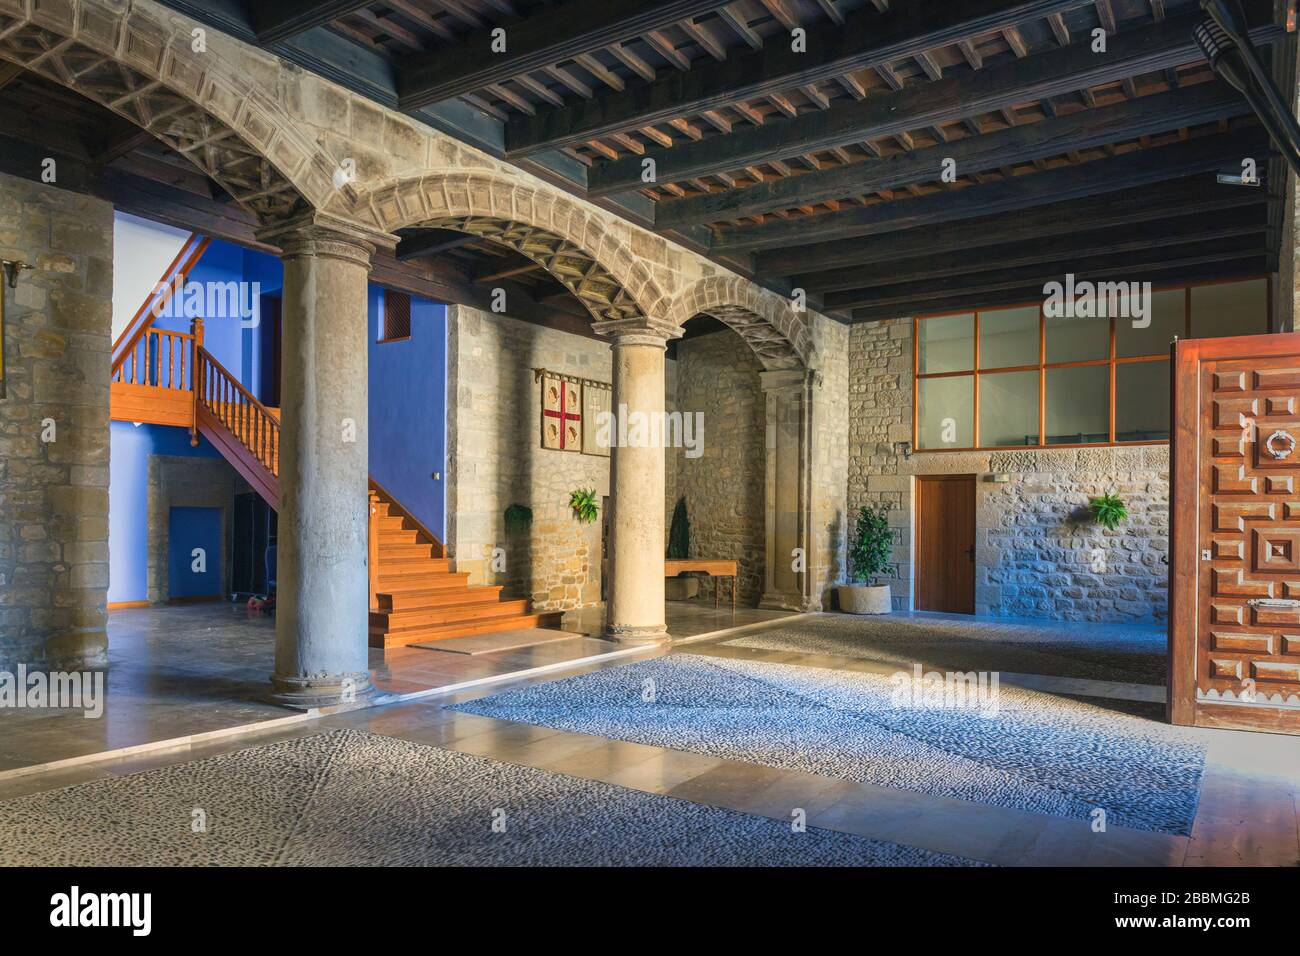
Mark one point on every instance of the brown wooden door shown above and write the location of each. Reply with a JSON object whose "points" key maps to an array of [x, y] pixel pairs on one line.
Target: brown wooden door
{"points": [[945, 543], [1235, 570]]}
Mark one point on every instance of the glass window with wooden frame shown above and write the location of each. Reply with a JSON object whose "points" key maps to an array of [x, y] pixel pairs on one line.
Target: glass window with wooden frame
{"points": [[1012, 377]]}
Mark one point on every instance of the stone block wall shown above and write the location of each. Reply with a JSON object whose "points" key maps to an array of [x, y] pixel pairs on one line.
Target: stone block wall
{"points": [[1034, 556], [54, 433], [495, 459], [832, 422], [718, 375]]}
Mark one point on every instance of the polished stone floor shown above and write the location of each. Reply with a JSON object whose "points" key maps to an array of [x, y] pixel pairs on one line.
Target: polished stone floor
{"points": [[1247, 811], [201, 669]]}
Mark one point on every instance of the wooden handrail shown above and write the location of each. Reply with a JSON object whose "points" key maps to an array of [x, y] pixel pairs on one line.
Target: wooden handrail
{"points": [[238, 410], [147, 365], [185, 260]]}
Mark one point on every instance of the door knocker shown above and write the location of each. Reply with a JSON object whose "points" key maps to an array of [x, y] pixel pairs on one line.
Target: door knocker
{"points": [[1280, 453]]}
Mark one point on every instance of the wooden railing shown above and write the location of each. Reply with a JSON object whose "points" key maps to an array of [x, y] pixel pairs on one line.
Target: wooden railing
{"points": [[160, 358], [255, 426]]}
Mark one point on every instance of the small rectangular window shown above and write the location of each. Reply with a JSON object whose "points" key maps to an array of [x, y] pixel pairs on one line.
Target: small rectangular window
{"points": [[397, 316]]}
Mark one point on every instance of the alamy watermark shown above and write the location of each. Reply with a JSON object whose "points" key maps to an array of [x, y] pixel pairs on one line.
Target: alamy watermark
{"points": [[1098, 300], [208, 300], [624, 429], [70, 690], [954, 690]]}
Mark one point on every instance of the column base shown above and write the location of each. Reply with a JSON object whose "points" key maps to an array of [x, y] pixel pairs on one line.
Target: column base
{"points": [[780, 601], [633, 634], [305, 693]]}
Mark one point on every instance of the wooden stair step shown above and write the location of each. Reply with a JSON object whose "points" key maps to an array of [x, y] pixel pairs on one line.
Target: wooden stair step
{"points": [[397, 621], [418, 635], [418, 549], [413, 600], [423, 582], [404, 566]]}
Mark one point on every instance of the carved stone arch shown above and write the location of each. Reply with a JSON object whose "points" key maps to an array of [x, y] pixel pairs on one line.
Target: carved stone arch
{"points": [[767, 322], [137, 62], [570, 242]]}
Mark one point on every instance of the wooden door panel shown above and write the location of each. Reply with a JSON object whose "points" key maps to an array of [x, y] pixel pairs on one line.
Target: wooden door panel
{"points": [[945, 540], [1235, 571]]}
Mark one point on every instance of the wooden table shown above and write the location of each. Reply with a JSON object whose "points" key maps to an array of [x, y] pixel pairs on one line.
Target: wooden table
{"points": [[714, 569]]}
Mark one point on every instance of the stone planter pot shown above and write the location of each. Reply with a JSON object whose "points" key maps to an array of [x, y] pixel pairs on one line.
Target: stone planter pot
{"points": [[860, 599], [681, 589]]}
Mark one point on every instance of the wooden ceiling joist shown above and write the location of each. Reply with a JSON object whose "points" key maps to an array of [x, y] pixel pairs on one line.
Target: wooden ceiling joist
{"points": [[1053, 73], [866, 39], [533, 43], [278, 20], [1138, 168], [1084, 129]]}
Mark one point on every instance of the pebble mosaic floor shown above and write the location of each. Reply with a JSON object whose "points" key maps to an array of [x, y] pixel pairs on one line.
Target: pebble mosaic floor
{"points": [[354, 798], [1040, 752]]}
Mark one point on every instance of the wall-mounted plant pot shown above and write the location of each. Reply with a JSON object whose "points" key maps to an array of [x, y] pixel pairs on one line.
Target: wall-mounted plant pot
{"points": [[861, 599], [681, 589]]}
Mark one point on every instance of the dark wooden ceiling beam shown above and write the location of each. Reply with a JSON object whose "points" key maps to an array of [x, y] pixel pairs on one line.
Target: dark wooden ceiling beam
{"points": [[277, 20], [431, 243], [907, 294], [1051, 73], [1179, 230], [833, 262], [1242, 268], [1138, 168], [539, 41], [866, 38], [1058, 136]]}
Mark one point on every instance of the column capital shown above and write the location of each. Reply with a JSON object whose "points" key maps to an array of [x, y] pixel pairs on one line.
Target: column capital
{"points": [[319, 234], [638, 331]]}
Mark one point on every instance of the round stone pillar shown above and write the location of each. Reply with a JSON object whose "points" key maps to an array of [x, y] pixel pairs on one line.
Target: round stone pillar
{"points": [[634, 612], [322, 594]]}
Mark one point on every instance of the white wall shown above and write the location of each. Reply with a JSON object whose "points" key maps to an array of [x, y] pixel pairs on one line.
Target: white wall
{"points": [[141, 251]]}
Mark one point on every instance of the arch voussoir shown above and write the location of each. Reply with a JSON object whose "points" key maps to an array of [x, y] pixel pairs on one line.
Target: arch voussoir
{"points": [[767, 322]]}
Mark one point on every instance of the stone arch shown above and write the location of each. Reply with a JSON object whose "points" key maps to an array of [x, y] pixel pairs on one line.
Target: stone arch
{"points": [[776, 333], [571, 242], [130, 60]]}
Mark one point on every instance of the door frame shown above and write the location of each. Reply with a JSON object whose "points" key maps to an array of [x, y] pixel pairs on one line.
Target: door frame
{"points": [[916, 533], [1186, 359]]}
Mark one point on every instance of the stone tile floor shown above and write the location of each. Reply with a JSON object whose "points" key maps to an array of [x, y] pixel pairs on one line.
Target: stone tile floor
{"points": [[197, 669], [1248, 811]]}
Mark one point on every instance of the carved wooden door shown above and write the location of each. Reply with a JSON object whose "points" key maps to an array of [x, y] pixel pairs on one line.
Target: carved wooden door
{"points": [[1235, 567]]}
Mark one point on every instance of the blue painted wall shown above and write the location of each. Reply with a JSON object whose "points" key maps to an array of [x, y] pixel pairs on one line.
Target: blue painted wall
{"points": [[408, 410], [128, 500]]}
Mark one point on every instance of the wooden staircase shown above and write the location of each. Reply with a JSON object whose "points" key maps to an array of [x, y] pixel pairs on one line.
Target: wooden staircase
{"points": [[417, 595], [169, 378]]}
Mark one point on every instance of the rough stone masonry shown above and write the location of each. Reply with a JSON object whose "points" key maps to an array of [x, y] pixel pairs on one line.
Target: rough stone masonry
{"points": [[54, 427]]}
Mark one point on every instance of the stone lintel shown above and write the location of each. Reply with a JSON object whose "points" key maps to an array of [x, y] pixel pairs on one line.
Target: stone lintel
{"points": [[776, 380]]}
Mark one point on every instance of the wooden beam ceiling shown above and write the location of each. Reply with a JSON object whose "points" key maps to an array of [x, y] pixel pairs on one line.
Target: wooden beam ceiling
{"points": [[1047, 74], [277, 20], [866, 38], [544, 39], [1141, 167], [826, 263], [1058, 136]]}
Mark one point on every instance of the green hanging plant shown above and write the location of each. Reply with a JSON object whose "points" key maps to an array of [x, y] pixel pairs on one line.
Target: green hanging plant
{"points": [[1108, 511], [519, 518], [584, 505], [871, 545], [679, 533]]}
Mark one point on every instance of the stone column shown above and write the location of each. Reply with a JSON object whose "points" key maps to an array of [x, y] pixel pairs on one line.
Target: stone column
{"points": [[1286, 296], [634, 612], [787, 552], [322, 605]]}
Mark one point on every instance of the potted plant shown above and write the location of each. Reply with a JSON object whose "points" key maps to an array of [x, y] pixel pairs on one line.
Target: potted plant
{"points": [[584, 504], [679, 548], [869, 553]]}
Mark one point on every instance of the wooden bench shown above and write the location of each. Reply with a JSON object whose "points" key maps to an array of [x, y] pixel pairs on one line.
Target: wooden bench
{"points": [[713, 568]]}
